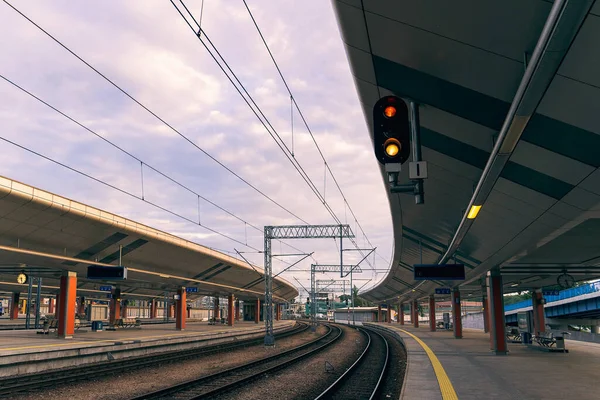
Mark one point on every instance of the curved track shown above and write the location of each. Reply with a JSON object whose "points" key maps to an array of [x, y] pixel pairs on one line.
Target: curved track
{"points": [[221, 382], [363, 379], [23, 383]]}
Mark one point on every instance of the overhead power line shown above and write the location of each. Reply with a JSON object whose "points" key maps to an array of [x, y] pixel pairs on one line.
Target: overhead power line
{"points": [[293, 99], [154, 114], [142, 162]]}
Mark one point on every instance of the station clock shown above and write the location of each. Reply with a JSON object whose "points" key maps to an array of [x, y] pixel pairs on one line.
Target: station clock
{"points": [[22, 278]]}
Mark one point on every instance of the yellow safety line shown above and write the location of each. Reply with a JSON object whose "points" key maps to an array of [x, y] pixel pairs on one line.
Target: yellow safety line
{"points": [[448, 392]]}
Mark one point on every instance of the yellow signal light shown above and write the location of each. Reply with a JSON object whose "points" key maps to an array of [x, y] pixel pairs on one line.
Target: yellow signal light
{"points": [[392, 147]]}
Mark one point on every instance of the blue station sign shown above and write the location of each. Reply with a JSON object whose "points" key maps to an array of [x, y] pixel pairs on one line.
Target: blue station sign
{"points": [[106, 288], [191, 289], [550, 292], [443, 291]]}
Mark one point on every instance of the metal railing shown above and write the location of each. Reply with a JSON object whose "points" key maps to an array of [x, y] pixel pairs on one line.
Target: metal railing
{"points": [[564, 294]]}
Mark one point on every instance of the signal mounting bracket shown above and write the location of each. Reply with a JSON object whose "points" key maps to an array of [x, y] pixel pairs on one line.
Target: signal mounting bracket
{"points": [[417, 168]]}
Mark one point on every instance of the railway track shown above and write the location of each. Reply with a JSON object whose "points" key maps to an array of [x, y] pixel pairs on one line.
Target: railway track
{"points": [[219, 383], [46, 380], [363, 379]]}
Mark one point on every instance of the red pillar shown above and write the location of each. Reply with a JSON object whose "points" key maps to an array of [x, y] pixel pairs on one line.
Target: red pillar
{"points": [[432, 313], [277, 312], [257, 312], [153, 309], [237, 310], [486, 313], [539, 318], [124, 308], [457, 321], [14, 306], [497, 322], [379, 313], [189, 312], [230, 310], [415, 313], [401, 314], [66, 311], [389, 314], [217, 309], [115, 305], [180, 314], [51, 305], [172, 311]]}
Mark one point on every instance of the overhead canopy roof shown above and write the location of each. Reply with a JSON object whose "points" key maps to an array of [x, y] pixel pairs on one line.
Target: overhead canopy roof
{"points": [[463, 63], [45, 234]]}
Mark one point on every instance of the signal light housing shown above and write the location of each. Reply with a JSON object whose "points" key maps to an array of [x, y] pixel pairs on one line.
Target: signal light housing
{"points": [[391, 130]]}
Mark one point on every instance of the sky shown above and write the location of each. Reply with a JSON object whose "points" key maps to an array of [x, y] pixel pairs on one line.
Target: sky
{"points": [[146, 48]]}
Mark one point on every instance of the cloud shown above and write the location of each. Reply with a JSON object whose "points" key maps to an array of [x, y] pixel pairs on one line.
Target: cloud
{"points": [[149, 51]]}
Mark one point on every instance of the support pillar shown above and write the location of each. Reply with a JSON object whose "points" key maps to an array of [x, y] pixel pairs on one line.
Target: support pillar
{"points": [[237, 310], [257, 312], [415, 313], [389, 314], [401, 314], [596, 329], [230, 310], [115, 306], [497, 323], [81, 307], [379, 313], [217, 309], [153, 309], [171, 310], [124, 308], [456, 319], [277, 312], [14, 306], [51, 305], [432, 313], [181, 312], [486, 313], [539, 318], [66, 311]]}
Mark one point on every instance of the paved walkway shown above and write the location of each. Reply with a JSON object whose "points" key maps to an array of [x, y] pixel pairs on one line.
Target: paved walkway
{"points": [[474, 372], [27, 341]]}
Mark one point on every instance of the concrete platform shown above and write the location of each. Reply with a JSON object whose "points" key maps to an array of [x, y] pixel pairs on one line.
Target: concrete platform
{"points": [[24, 352], [474, 372]]}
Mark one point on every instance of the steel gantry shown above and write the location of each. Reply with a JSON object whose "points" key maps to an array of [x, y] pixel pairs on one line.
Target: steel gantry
{"points": [[314, 268], [294, 232]]}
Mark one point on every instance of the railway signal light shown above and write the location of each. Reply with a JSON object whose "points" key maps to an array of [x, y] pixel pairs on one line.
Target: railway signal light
{"points": [[391, 130]]}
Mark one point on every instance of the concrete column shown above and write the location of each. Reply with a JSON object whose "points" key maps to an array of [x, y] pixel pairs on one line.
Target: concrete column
{"points": [[539, 318], [115, 305], [432, 313], [486, 313], [237, 310], [389, 314], [51, 305], [401, 314], [217, 309], [230, 310], [66, 311], [14, 306], [153, 309], [257, 312], [379, 313], [496, 304], [415, 313], [456, 319], [181, 312], [596, 329], [124, 308], [81, 307]]}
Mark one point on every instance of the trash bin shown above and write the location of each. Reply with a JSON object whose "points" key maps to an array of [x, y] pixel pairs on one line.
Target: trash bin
{"points": [[525, 337], [560, 342], [97, 326]]}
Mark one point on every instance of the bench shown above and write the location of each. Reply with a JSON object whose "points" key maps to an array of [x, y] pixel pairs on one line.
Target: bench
{"points": [[513, 334], [128, 323], [545, 339]]}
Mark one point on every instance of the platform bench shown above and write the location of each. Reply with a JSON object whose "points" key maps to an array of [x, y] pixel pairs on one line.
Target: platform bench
{"points": [[128, 323], [546, 339]]}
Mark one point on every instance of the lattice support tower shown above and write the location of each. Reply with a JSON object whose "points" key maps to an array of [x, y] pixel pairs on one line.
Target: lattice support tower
{"points": [[294, 232]]}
